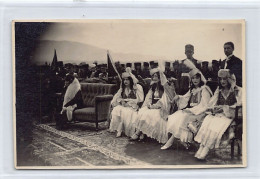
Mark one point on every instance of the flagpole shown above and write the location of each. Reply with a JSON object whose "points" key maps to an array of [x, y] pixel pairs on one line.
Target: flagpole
{"points": [[112, 62]]}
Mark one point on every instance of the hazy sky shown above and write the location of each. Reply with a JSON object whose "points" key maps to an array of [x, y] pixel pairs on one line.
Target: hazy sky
{"points": [[163, 38]]}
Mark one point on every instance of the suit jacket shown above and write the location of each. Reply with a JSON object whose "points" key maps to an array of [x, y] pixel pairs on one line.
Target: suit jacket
{"points": [[234, 64], [146, 73]]}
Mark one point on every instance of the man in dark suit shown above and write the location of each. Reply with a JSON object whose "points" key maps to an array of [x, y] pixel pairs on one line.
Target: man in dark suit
{"points": [[233, 63]]}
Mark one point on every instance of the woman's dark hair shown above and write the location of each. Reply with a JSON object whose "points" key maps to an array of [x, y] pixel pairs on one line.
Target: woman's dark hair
{"points": [[153, 86], [201, 82], [123, 85], [220, 86]]}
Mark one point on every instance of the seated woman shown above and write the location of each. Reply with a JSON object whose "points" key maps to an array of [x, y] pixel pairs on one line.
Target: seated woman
{"points": [[221, 106], [185, 122], [125, 105], [72, 101], [152, 117]]}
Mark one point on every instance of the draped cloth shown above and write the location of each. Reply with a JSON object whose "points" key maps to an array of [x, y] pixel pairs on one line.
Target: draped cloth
{"points": [[178, 122], [215, 125], [70, 93], [123, 118]]}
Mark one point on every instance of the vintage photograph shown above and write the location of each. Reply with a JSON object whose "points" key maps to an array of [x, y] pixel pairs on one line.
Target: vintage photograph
{"points": [[124, 93]]}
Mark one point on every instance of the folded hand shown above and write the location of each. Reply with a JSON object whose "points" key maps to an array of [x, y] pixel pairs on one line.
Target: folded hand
{"points": [[218, 109]]}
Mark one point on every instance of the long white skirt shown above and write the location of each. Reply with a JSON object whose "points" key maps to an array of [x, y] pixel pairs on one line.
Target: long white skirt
{"points": [[123, 120], [151, 124], [178, 126], [212, 130]]}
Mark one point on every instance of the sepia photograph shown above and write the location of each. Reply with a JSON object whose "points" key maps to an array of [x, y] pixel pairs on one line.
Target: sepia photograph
{"points": [[129, 94]]}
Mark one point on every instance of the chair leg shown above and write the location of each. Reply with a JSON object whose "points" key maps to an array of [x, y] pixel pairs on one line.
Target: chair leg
{"points": [[239, 149], [232, 148], [96, 122]]}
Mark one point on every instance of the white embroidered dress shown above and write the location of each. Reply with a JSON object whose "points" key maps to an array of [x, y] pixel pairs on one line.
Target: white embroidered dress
{"points": [[214, 126], [152, 122], [178, 122], [124, 118]]}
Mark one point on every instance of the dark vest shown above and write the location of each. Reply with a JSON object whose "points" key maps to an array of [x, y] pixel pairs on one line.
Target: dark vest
{"points": [[156, 98], [194, 99], [131, 95], [231, 99]]}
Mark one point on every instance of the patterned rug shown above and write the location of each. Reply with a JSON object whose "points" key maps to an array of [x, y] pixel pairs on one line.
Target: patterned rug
{"points": [[138, 154]]}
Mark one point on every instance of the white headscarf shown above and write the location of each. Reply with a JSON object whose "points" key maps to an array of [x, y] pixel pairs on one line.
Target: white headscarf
{"points": [[129, 73], [71, 92], [225, 73], [197, 71]]}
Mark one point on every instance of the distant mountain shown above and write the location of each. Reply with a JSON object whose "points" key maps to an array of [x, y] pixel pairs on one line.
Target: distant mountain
{"points": [[74, 52]]}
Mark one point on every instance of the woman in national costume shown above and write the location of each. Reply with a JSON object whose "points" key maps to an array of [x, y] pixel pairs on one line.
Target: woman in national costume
{"points": [[222, 107], [152, 117], [184, 123], [125, 105]]}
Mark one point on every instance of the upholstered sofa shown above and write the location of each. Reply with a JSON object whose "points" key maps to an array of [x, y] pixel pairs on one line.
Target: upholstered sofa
{"points": [[96, 99]]}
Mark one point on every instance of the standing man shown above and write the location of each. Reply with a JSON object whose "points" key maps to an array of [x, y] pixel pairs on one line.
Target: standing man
{"points": [[184, 69], [137, 71], [233, 63], [189, 52], [94, 72], [151, 64], [167, 71], [205, 69], [146, 70]]}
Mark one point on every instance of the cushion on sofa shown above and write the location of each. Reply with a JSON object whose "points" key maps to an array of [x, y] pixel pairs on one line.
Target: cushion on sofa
{"points": [[85, 114], [91, 90]]}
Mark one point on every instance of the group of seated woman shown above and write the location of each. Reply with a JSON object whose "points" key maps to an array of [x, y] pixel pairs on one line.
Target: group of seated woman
{"points": [[200, 115]]}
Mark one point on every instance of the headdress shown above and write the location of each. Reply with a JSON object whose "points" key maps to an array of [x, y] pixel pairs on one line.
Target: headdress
{"points": [[137, 64], [92, 65], [168, 64], [189, 47], [194, 70], [146, 64], [225, 73], [129, 73], [128, 64], [197, 71], [153, 71]]}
